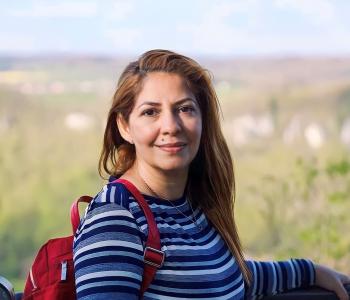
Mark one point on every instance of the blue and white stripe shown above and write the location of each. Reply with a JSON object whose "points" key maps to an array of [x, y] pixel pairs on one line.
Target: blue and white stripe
{"points": [[108, 255]]}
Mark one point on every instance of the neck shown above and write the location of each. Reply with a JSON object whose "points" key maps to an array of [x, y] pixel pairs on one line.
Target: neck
{"points": [[169, 185]]}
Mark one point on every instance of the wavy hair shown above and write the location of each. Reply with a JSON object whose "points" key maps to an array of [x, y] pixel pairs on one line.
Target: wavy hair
{"points": [[211, 181]]}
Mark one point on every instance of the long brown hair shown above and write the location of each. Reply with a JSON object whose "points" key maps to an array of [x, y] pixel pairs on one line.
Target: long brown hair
{"points": [[211, 181]]}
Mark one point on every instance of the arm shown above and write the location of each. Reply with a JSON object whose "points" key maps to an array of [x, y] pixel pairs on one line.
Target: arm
{"points": [[269, 278], [332, 280], [108, 254]]}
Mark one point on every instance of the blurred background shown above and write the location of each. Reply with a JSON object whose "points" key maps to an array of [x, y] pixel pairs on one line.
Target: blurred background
{"points": [[281, 69]]}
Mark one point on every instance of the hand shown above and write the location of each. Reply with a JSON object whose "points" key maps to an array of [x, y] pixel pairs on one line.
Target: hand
{"points": [[332, 280]]}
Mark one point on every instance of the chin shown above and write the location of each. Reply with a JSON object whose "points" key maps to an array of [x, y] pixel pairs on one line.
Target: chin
{"points": [[174, 166]]}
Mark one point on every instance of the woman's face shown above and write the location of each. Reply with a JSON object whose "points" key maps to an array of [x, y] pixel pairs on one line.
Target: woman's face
{"points": [[165, 124]]}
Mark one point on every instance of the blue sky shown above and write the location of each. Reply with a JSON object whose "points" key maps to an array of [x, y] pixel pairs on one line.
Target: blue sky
{"points": [[220, 28]]}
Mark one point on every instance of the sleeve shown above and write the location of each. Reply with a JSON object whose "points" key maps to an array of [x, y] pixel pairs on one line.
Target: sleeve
{"points": [[270, 278], [108, 254]]}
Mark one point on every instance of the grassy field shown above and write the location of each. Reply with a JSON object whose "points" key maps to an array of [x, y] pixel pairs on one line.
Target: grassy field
{"points": [[292, 194]]}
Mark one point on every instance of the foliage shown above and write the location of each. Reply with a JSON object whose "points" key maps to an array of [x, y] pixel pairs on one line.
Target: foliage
{"points": [[305, 213]]}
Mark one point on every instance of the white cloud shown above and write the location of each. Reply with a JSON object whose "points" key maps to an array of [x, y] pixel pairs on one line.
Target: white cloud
{"points": [[316, 11], [18, 42], [221, 27], [223, 10], [121, 10], [62, 9], [213, 34], [123, 38]]}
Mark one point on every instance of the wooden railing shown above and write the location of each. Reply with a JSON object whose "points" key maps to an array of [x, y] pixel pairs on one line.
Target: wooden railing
{"points": [[307, 294], [299, 294]]}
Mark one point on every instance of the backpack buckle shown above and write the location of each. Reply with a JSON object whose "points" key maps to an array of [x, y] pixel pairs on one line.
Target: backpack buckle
{"points": [[153, 257]]}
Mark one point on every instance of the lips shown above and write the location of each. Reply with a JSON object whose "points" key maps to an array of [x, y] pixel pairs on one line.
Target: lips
{"points": [[172, 147], [177, 144]]}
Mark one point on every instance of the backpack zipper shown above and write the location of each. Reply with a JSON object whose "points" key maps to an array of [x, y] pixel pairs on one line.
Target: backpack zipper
{"points": [[32, 279], [63, 270]]}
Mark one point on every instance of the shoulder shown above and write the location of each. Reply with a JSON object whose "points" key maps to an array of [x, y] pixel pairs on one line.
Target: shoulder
{"points": [[112, 205], [114, 192]]}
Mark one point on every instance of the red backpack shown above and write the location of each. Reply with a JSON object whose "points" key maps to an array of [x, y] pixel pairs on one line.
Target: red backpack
{"points": [[51, 276]]}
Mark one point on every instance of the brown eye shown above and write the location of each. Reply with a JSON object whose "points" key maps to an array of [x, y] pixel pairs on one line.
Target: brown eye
{"points": [[149, 112], [186, 109]]}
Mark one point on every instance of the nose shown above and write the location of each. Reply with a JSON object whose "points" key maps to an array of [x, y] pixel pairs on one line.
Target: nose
{"points": [[170, 123]]}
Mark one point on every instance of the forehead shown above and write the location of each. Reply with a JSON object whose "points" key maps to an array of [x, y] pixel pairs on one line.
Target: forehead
{"points": [[161, 86]]}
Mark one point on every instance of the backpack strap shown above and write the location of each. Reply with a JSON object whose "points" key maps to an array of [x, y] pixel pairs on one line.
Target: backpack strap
{"points": [[74, 212], [153, 256]]}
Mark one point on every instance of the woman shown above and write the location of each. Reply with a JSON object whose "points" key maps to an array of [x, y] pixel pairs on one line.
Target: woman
{"points": [[163, 134]]}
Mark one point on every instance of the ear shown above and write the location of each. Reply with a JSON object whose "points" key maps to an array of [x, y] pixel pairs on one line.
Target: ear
{"points": [[123, 127]]}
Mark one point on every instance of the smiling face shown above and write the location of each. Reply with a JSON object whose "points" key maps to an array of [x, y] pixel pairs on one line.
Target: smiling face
{"points": [[165, 124]]}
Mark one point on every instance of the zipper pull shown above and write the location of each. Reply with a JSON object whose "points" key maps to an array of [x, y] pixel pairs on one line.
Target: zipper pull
{"points": [[63, 270]]}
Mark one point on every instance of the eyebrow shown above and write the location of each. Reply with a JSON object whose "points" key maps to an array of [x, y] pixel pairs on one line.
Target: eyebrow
{"points": [[153, 103]]}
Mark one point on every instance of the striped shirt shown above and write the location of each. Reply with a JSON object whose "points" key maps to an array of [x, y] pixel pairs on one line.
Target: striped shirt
{"points": [[109, 245]]}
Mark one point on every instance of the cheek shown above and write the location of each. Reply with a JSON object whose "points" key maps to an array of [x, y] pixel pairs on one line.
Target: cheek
{"points": [[143, 135], [198, 129], [196, 132]]}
